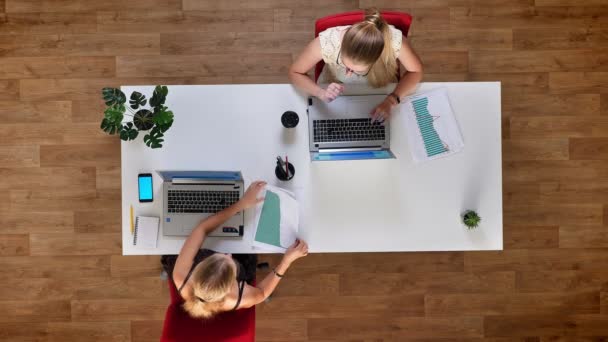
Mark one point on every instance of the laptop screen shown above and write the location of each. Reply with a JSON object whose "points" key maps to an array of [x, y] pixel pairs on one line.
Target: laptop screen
{"points": [[352, 155]]}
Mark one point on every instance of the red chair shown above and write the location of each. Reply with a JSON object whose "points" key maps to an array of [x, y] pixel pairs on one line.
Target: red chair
{"points": [[400, 20], [232, 326]]}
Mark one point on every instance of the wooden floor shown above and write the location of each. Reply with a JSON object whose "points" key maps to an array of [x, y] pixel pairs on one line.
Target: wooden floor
{"points": [[64, 278]]}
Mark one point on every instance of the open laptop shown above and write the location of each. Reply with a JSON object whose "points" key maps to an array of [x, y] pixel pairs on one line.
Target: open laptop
{"points": [[190, 196], [343, 129]]}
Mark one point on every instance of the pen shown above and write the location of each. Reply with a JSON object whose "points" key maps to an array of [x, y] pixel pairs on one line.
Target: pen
{"points": [[286, 167], [132, 228]]}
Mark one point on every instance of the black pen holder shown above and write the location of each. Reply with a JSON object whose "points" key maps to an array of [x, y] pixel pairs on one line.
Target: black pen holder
{"points": [[280, 172]]}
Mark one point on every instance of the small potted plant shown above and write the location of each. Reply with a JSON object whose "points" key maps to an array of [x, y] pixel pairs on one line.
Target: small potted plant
{"points": [[157, 118], [471, 219]]}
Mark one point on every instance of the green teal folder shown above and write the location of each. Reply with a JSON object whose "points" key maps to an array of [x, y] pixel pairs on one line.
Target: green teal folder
{"points": [[269, 227]]}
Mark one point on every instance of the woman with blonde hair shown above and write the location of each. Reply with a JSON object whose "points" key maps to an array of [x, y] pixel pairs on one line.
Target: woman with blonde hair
{"points": [[212, 282], [366, 52]]}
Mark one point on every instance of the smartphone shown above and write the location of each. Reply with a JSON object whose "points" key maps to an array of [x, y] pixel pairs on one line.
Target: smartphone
{"points": [[144, 181]]}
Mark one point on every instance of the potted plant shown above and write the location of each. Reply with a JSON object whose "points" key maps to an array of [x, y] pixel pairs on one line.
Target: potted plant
{"points": [[156, 118], [471, 219]]}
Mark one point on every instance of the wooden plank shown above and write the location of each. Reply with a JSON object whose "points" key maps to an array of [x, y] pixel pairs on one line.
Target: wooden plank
{"points": [[554, 170], [107, 177], [32, 222], [47, 178], [233, 42], [429, 18], [522, 17], [561, 281], [546, 39], [19, 156], [23, 332], [210, 65], [80, 45], [551, 105], [187, 21], [406, 3], [574, 192], [461, 40], [87, 6], [396, 328], [64, 200], [553, 215], [48, 23], [530, 237], [136, 266], [313, 285], [146, 331], [604, 302], [521, 193], [536, 149], [546, 325], [559, 126], [511, 303], [238, 5], [75, 244], [80, 155], [35, 112], [578, 82], [537, 260], [35, 311], [97, 221], [73, 331], [118, 309], [538, 61], [365, 283], [56, 267], [588, 148], [82, 288], [56, 67], [282, 329], [332, 306], [14, 244], [445, 61], [593, 3], [9, 89], [516, 83], [583, 237], [54, 133], [87, 111]]}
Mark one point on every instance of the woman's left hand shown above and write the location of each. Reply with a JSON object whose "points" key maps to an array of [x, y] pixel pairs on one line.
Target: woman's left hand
{"points": [[382, 112], [250, 198]]}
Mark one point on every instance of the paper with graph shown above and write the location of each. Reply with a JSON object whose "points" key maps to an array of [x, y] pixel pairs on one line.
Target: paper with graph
{"points": [[276, 220], [432, 128]]}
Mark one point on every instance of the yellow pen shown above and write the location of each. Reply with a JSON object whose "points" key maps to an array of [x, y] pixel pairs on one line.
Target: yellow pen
{"points": [[132, 227]]}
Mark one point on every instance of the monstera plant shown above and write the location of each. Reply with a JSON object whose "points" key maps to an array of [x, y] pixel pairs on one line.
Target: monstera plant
{"points": [[156, 118]]}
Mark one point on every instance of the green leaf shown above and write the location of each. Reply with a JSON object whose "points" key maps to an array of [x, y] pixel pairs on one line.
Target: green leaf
{"points": [[155, 138], [159, 96], [115, 113], [127, 132], [162, 115], [113, 96], [165, 127], [137, 99], [109, 126], [143, 119]]}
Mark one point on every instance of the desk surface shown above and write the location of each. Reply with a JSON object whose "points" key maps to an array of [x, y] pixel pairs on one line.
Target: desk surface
{"points": [[346, 206]]}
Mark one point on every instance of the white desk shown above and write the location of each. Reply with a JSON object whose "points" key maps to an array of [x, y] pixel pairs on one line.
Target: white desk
{"points": [[346, 206]]}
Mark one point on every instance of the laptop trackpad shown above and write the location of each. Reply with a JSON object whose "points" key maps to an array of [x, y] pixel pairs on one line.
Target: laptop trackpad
{"points": [[360, 108]]}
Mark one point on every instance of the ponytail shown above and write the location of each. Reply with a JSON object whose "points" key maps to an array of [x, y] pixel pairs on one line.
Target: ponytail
{"points": [[369, 42]]}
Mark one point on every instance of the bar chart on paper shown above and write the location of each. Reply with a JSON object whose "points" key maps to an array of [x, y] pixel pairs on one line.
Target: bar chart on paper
{"points": [[432, 141], [432, 128]]}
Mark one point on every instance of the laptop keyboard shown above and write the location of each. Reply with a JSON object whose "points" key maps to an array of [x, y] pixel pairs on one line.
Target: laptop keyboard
{"points": [[202, 201], [347, 130]]}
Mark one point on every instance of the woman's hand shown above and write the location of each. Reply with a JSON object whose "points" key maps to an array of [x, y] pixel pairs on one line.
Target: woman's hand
{"points": [[331, 92], [296, 251], [250, 198], [382, 112]]}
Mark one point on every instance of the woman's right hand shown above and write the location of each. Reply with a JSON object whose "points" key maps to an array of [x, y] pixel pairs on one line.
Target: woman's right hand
{"points": [[331, 92], [296, 251]]}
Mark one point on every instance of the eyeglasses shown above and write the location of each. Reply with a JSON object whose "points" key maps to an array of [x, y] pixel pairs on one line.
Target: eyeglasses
{"points": [[348, 70]]}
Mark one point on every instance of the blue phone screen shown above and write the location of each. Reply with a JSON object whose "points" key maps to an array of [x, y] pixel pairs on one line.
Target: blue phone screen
{"points": [[145, 188]]}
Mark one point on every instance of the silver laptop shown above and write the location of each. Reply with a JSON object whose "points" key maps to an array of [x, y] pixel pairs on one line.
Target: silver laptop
{"points": [[343, 129], [190, 196]]}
